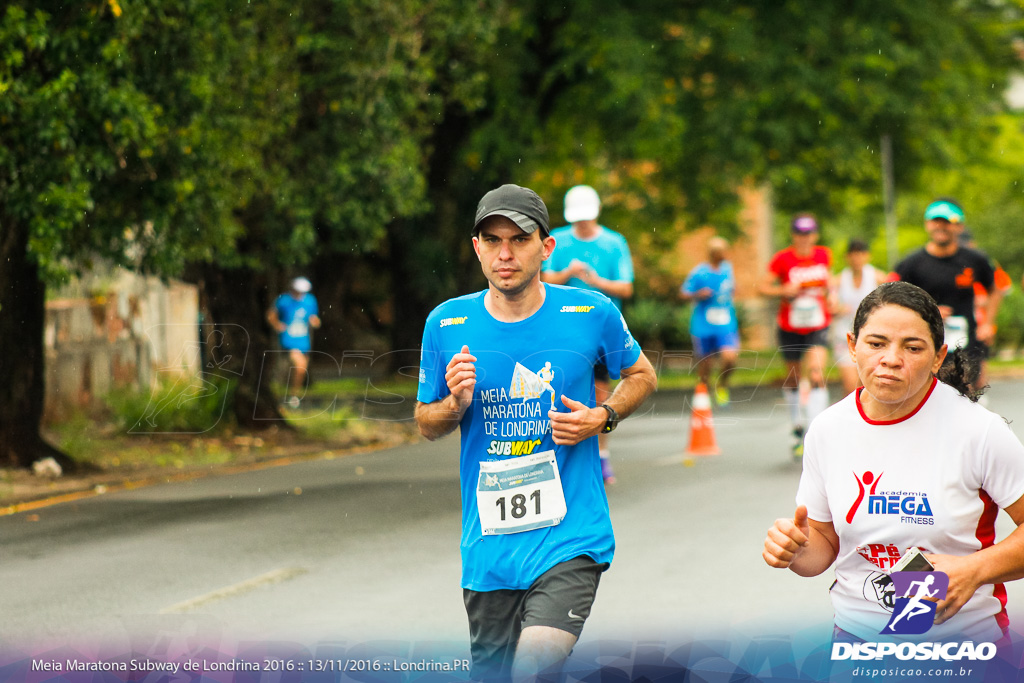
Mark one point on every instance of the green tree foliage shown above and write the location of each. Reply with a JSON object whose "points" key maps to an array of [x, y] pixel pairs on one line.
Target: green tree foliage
{"points": [[111, 147], [666, 108], [247, 139], [796, 94], [372, 83], [987, 179]]}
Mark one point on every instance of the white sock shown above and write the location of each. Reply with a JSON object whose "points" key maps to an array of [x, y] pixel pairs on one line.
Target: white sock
{"points": [[605, 454], [817, 401], [792, 399]]}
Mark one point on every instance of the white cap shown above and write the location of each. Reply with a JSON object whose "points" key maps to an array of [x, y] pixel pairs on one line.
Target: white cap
{"points": [[301, 285], [582, 204]]}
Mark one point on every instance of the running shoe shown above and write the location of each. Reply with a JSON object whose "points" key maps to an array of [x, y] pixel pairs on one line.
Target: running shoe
{"points": [[292, 402], [798, 444], [606, 471], [722, 396]]}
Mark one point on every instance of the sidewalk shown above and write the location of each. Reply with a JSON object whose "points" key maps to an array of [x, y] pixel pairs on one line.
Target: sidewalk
{"points": [[23, 490]]}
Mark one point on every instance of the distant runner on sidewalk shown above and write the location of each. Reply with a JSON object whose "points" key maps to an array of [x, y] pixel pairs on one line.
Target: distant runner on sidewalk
{"points": [[293, 315]]}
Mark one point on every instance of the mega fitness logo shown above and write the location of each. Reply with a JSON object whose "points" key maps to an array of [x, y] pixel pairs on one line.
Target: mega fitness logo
{"points": [[912, 507], [917, 595]]}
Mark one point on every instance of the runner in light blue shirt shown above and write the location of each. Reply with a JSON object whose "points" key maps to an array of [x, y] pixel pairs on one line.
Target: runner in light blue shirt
{"points": [[294, 314], [713, 325], [587, 254], [590, 256]]}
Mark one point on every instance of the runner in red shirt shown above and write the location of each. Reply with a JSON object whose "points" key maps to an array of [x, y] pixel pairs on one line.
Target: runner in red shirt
{"points": [[799, 276], [983, 303]]}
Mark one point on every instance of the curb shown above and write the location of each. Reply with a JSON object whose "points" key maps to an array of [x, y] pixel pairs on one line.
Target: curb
{"points": [[103, 489]]}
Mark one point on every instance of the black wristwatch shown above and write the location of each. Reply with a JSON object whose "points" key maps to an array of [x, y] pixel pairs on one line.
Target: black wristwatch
{"points": [[613, 419]]}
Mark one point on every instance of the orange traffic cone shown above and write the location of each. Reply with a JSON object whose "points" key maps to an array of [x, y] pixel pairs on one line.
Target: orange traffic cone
{"points": [[702, 431]]}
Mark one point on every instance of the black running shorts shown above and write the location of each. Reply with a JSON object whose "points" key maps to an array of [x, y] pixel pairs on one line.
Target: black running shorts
{"points": [[794, 345], [560, 598]]}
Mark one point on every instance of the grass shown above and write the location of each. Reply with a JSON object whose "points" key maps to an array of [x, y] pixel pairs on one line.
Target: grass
{"points": [[752, 369], [357, 388], [767, 368], [332, 423], [135, 431], [675, 372], [330, 420]]}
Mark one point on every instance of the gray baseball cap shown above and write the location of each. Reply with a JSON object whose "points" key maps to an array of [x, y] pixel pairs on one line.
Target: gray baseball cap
{"points": [[521, 205]]}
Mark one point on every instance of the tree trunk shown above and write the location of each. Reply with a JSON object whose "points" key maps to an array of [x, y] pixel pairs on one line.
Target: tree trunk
{"points": [[237, 301], [431, 257], [22, 371], [411, 303]]}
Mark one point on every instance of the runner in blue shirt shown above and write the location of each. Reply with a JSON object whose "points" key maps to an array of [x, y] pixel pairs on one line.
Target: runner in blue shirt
{"points": [[587, 254], [590, 256], [293, 315], [512, 367], [713, 325]]}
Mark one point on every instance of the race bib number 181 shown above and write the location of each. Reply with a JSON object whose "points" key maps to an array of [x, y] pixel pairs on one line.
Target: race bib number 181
{"points": [[520, 494]]}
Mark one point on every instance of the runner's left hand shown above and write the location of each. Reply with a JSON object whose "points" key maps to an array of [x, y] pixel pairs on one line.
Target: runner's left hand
{"points": [[962, 583], [568, 429]]}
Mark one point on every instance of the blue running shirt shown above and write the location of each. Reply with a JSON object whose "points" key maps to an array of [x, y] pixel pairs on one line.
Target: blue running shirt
{"points": [[608, 254], [521, 367], [716, 314], [295, 314]]}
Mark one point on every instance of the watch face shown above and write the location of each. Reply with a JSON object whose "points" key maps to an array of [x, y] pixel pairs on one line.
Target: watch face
{"points": [[612, 421]]}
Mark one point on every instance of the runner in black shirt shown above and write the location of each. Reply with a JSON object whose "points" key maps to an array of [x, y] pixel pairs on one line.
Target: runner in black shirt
{"points": [[948, 271]]}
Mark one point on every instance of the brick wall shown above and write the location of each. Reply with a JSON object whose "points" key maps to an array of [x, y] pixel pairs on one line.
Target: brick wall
{"points": [[750, 254]]}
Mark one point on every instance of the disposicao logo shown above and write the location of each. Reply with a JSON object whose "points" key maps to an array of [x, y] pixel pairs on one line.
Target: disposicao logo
{"points": [[917, 594], [914, 614]]}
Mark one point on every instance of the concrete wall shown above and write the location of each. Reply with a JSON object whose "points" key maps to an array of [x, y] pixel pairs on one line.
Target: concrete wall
{"points": [[116, 332]]}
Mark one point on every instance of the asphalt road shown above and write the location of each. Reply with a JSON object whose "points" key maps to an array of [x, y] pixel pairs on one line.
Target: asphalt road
{"points": [[365, 547]]}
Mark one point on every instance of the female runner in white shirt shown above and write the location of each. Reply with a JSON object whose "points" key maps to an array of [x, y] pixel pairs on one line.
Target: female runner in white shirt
{"points": [[907, 461]]}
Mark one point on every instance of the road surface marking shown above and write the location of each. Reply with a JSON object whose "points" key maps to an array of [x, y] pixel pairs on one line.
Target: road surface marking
{"points": [[276, 576]]}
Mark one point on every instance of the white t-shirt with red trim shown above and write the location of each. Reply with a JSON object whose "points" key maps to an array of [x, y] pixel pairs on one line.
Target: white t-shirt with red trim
{"points": [[934, 480], [808, 311]]}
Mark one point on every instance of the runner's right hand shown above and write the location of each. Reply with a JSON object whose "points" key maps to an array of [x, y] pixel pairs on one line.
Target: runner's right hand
{"points": [[786, 539], [460, 375], [790, 290]]}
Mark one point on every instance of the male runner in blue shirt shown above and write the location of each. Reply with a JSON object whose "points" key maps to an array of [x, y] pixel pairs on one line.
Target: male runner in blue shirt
{"points": [[536, 533], [713, 327], [590, 256], [293, 315]]}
